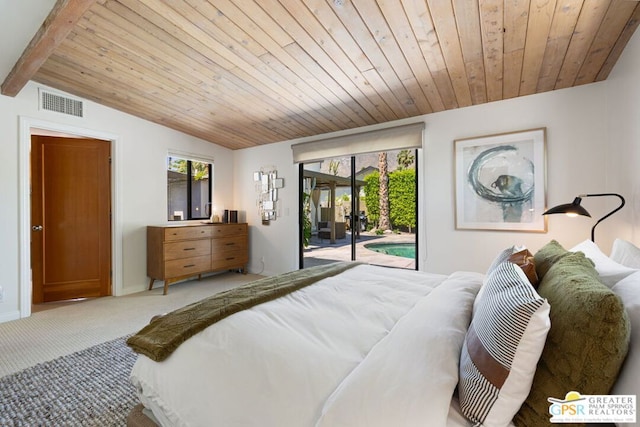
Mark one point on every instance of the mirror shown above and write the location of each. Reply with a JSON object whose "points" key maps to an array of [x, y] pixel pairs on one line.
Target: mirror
{"points": [[267, 184]]}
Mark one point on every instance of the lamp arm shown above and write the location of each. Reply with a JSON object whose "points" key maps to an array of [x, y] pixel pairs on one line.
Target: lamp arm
{"points": [[622, 202]]}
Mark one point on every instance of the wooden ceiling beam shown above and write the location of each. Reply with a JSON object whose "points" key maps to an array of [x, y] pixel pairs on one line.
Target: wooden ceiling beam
{"points": [[55, 28]]}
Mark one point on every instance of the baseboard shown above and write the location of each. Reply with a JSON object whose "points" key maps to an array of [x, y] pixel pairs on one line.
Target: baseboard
{"points": [[7, 317], [134, 289]]}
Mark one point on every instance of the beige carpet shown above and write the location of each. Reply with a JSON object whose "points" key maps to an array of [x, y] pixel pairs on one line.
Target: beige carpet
{"points": [[70, 327]]}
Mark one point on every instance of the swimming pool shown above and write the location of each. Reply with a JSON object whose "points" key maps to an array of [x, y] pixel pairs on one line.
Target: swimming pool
{"points": [[405, 250]]}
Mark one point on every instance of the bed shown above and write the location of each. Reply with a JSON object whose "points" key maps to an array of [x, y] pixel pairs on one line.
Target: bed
{"points": [[359, 345]]}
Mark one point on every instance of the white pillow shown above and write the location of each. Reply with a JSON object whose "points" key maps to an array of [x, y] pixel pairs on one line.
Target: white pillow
{"points": [[628, 289], [626, 253], [610, 272], [502, 347]]}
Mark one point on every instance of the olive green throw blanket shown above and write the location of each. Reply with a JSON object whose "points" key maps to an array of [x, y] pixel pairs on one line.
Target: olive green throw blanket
{"points": [[163, 335]]}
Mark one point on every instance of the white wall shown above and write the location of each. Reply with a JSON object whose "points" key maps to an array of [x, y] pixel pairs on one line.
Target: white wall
{"points": [[275, 242], [575, 130], [623, 131], [140, 166], [576, 159]]}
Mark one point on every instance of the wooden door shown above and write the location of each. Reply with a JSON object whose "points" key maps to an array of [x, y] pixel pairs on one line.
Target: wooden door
{"points": [[70, 218]]}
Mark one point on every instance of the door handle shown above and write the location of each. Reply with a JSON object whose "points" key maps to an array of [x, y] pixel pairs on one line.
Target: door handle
{"points": [[37, 228]]}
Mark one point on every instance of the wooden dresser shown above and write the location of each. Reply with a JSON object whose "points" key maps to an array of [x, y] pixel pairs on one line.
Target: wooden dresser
{"points": [[176, 252]]}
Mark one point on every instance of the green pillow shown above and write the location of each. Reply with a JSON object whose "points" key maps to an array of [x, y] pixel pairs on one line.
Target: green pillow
{"points": [[587, 342], [548, 255]]}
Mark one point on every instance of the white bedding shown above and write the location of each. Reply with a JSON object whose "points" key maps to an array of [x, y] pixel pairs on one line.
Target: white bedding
{"points": [[370, 347]]}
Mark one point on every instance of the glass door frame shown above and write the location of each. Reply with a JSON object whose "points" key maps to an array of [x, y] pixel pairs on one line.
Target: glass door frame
{"points": [[354, 201]]}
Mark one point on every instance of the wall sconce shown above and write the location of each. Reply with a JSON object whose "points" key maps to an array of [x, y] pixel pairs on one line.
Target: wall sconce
{"points": [[574, 209], [267, 185]]}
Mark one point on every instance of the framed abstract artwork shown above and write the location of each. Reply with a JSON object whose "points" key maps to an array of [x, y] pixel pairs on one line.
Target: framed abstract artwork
{"points": [[500, 181]]}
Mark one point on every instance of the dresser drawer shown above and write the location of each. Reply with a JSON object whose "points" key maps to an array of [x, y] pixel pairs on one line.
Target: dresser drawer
{"points": [[186, 249], [228, 230], [181, 233], [187, 266], [226, 244], [229, 259]]}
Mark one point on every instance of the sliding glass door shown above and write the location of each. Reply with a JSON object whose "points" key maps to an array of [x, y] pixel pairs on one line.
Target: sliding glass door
{"points": [[361, 207]]}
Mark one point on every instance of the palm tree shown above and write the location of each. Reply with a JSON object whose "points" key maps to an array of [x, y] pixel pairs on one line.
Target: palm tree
{"points": [[199, 170], [384, 222], [334, 165], [306, 219], [405, 159]]}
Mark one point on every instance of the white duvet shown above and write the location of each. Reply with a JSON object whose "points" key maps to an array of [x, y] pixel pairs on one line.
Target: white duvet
{"points": [[372, 346]]}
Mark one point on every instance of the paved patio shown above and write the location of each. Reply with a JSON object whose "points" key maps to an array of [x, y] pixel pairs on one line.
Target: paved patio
{"points": [[321, 251]]}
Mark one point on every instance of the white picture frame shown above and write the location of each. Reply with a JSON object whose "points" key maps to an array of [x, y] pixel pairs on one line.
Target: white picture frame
{"points": [[500, 181]]}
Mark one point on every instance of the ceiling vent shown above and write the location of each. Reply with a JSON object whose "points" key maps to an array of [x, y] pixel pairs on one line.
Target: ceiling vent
{"points": [[60, 104]]}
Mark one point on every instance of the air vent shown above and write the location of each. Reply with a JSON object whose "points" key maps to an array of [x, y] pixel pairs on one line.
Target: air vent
{"points": [[60, 104]]}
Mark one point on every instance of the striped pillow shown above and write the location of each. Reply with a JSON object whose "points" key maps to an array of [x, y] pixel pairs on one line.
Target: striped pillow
{"points": [[497, 261], [502, 347], [500, 258]]}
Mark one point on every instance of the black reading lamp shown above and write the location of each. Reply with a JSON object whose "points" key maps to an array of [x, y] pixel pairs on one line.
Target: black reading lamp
{"points": [[574, 209]]}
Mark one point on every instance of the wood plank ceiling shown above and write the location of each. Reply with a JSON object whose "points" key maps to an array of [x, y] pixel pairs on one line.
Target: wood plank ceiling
{"points": [[241, 73]]}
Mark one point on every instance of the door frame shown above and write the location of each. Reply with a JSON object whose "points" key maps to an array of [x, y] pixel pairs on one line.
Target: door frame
{"points": [[419, 180], [28, 126]]}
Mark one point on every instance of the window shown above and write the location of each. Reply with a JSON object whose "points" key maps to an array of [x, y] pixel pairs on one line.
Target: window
{"points": [[189, 191]]}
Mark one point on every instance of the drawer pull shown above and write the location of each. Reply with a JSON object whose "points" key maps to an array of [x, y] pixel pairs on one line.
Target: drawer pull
{"points": [[189, 249], [230, 244], [229, 259], [189, 265]]}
